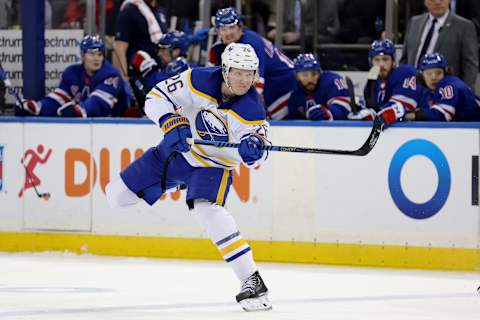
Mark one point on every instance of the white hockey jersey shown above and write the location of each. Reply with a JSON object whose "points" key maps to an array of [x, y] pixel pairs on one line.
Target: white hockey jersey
{"points": [[197, 95]]}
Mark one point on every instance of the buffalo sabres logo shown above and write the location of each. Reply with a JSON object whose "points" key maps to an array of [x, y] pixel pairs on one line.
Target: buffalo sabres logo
{"points": [[211, 127]]}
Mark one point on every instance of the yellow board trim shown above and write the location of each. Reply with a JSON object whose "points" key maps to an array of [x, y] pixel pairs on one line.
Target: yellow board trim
{"points": [[405, 257], [239, 118], [223, 188], [194, 90], [233, 246]]}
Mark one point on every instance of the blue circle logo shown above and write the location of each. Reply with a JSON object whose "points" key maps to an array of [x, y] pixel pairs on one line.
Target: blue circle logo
{"points": [[434, 154]]}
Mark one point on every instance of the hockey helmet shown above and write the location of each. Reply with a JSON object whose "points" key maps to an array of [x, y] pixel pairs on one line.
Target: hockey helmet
{"points": [[174, 40], [305, 62], [227, 17], [433, 60], [176, 66], [382, 47], [92, 43], [241, 56]]}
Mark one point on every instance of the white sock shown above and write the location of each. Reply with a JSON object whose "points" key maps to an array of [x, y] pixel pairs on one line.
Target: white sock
{"points": [[222, 230]]}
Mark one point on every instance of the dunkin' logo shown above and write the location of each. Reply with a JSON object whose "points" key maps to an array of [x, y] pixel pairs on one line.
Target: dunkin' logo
{"points": [[77, 159]]}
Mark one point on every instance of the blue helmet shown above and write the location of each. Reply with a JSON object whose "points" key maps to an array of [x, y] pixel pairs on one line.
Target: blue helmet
{"points": [[382, 47], [227, 17], [433, 60], [306, 61], [92, 42], [176, 66], [174, 40]]}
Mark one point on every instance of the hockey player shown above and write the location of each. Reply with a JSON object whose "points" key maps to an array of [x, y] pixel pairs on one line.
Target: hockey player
{"points": [[90, 89], [212, 104], [172, 45], [319, 95], [445, 97], [276, 78], [394, 92], [146, 70]]}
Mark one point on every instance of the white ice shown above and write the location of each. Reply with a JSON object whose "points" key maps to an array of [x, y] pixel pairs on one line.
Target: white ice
{"points": [[65, 286]]}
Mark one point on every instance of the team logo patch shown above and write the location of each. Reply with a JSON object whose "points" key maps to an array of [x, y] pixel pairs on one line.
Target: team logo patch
{"points": [[210, 126]]}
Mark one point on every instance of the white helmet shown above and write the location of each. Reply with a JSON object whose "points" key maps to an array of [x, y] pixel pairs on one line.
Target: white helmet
{"points": [[241, 56]]}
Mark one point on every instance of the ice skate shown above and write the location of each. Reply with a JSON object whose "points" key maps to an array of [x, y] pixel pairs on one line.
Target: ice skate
{"points": [[253, 294]]}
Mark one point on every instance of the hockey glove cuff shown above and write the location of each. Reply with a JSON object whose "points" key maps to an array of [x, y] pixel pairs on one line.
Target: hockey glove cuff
{"points": [[176, 130], [142, 63]]}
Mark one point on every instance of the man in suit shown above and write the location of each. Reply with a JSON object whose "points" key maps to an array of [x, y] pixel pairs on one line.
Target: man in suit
{"points": [[442, 31]]}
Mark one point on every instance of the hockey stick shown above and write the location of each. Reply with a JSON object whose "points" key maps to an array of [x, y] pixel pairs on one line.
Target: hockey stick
{"points": [[372, 77], [351, 93], [362, 151]]}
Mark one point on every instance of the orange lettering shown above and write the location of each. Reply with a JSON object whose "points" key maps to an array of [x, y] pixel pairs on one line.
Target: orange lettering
{"points": [[241, 183], [72, 156], [104, 168]]}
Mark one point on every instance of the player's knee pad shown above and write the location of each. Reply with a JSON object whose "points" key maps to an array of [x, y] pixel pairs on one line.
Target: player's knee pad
{"points": [[214, 219], [118, 194]]}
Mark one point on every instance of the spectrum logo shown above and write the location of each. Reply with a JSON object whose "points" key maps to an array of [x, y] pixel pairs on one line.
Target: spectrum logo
{"points": [[433, 153]]}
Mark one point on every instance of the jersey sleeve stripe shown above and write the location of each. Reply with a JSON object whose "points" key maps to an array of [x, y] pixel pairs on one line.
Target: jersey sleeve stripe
{"points": [[408, 103], [242, 120], [447, 115]]}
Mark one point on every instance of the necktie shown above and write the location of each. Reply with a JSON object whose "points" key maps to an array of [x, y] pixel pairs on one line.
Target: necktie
{"points": [[426, 43]]}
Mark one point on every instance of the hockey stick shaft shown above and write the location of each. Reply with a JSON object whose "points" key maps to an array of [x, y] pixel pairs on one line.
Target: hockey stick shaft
{"points": [[351, 93], [362, 151]]}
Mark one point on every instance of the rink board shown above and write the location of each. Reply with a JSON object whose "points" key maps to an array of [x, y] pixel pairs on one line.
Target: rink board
{"points": [[412, 202]]}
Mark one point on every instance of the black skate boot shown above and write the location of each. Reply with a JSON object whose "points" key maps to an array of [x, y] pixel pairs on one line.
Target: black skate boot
{"points": [[253, 294]]}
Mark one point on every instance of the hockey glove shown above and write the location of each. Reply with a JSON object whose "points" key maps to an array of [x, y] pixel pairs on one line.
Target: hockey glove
{"points": [[176, 130], [250, 149], [367, 114], [393, 113], [143, 64], [30, 107], [71, 109], [319, 112], [200, 35]]}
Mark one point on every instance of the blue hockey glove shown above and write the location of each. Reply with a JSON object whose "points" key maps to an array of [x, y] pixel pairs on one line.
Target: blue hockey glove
{"points": [[250, 149], [176, 129], [319, 112], [200, 35]]}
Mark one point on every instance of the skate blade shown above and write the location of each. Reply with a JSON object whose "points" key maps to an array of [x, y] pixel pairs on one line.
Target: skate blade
{"points": [[256, 304]]}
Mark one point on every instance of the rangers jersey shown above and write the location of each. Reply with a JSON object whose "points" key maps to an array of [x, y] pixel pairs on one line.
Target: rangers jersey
{"points": [[102, 95], [452, 100], [399, 87], [331, 92], [197, 95]]}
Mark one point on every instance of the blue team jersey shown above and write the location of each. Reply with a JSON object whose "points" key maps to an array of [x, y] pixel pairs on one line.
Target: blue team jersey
{"points": [[452, 100], [102, 95], [277, 76], [399, 87], [331, 92]]}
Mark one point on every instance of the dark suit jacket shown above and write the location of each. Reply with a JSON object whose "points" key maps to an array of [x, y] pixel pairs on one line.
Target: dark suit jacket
{"points": [[457, 41]]}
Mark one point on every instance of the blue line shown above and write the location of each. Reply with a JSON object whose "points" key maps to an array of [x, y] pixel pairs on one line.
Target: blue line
{"points": [[238, 254], [230, 237], [275, 123]]}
